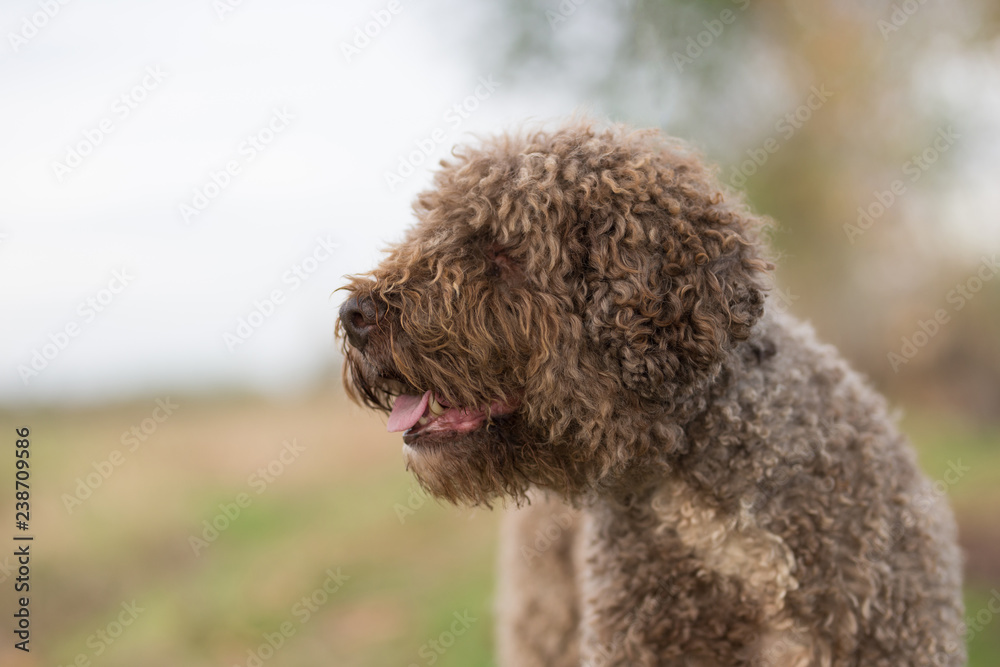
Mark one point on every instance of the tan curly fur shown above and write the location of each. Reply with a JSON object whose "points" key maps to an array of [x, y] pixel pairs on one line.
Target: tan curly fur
{"points": [[696, 480]]}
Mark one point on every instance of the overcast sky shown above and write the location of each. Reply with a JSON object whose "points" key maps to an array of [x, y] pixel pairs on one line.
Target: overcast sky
{"points": [[166, 166]]}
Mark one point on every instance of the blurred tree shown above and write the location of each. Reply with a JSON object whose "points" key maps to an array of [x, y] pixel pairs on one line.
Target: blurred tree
{"points": [[850, 123]]}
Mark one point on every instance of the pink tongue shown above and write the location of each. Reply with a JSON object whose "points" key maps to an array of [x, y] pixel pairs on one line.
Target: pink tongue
{"points": [[407, 411]]}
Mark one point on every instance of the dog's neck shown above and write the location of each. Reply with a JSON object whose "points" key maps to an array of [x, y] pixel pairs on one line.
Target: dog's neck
{"points": [[678, 427]]}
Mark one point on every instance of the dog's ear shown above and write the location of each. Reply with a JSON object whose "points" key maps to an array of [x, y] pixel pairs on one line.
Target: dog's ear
{"points": [[671, 290]]}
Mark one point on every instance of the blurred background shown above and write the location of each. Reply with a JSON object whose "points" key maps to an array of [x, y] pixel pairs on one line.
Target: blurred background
{"points": [[184, 184]]}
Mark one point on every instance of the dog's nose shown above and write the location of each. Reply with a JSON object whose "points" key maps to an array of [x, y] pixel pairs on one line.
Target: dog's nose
{"points": [[359, 317]]}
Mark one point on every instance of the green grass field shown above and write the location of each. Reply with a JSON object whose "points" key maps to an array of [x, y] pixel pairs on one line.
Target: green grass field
{"points": [[334, 557]]}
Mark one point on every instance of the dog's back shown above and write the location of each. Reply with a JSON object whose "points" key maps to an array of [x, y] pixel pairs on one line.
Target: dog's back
{"points": [[794, 528]]}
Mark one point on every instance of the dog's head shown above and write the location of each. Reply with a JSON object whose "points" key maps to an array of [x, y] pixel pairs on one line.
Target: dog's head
{"points": [[562, 296]]}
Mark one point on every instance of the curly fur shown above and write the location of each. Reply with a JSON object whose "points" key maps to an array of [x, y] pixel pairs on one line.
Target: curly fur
{"points": [[724, 490]]}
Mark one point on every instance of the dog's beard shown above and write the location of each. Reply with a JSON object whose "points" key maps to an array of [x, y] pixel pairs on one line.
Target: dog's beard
{"points": [[503, 460], [473, 468]]}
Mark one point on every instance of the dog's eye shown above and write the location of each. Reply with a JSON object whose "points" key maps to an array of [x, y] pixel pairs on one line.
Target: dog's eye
{"points": [[499, 266], [503, 267]]}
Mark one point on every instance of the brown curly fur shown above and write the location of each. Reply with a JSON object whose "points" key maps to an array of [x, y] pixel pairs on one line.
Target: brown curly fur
{"points": [[698, 481]]}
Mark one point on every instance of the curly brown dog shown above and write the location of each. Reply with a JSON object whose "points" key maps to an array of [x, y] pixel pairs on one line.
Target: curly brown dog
{"points": [[577, 322]]}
